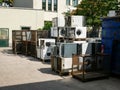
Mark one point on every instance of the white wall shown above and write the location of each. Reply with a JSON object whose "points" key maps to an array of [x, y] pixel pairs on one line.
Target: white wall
{"points": [[15, 18], [37, 4], [49, 15]]}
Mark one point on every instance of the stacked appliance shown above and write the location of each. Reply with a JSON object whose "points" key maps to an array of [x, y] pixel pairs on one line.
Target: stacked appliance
{"points": [[44, 48], [57, 29], [63, 56], [67, 28], [75, 27]]}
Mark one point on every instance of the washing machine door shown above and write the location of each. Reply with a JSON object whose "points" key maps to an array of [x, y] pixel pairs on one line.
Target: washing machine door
{"points": [[48, 44], [78, 33], [61, 32], [89, 66]]}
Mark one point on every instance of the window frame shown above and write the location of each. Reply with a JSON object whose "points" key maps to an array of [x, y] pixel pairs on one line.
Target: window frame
{"points": [[43, 4], [49, 5]]}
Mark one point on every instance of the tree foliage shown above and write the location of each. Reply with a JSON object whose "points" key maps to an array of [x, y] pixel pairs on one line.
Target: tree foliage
{"points": [[8, 2], [47, 25], [94, 9]]}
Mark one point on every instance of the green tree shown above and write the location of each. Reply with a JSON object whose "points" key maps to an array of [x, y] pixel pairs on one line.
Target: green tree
{"points": [[9, 2], [94, 10]]}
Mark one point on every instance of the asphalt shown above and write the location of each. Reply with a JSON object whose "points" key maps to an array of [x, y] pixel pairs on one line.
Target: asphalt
{"points": [[19, 72]]}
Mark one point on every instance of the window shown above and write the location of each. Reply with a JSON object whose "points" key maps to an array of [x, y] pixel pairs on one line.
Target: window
{"points": [[49, 5], [75, 2], [67, 2], [25, 28], [44, 4], [55, 5]]}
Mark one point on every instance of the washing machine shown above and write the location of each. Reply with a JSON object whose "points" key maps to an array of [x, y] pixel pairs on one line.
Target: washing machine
{"points": [[57, 32], [77, 32], [46, 48]]}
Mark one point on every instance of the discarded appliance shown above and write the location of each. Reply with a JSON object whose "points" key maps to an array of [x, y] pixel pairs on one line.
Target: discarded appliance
{"points": [[74, 21], [57, 32], [63, 56], [76, 32], [58, 21], [45, 48], [89, 62], [86, 68]]}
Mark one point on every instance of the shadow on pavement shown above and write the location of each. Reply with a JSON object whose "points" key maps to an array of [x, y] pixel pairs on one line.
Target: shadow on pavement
{"points": [[47, 71], [67, 84]]}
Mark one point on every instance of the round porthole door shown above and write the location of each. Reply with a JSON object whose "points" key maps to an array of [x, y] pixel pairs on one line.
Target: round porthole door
{"points": [[79, 32]]}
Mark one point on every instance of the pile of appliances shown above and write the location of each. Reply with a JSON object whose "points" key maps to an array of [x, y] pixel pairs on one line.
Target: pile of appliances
{"points": [[67, 28]]}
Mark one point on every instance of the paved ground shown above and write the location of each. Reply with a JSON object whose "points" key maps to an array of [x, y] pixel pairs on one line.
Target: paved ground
{"points": [[18, 72]]}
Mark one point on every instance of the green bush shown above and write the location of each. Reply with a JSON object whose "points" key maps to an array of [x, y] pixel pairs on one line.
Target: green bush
{"points": [[47, 25]]}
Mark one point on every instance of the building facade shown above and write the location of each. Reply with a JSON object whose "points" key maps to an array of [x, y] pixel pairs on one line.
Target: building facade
{"points": [[31, 14], [53, 7]]}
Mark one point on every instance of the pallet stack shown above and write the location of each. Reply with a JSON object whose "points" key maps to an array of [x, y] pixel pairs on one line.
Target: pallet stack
{"points": [[16, 41], [26, 41]]}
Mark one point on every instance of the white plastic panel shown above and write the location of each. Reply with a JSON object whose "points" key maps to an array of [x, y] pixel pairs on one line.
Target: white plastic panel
{"points": [[58, 22], [38, 52], [86, 48], [67, 63], [77, 21]]}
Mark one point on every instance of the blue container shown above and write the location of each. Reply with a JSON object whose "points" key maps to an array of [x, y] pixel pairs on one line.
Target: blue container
{"points": [[107, 64], [108, 43], [117, 33], [116, 57], [111, 32], [116, 64], [108, 33], [110, 23]]}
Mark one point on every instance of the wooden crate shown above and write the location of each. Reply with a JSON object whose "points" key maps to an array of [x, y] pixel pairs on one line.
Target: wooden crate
{"points": [[16, 47]]}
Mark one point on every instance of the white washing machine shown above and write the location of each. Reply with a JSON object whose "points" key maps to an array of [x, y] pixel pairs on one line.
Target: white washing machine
{"points": [[80, 32], [77, 32], [57, 32], [46, 48]]}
